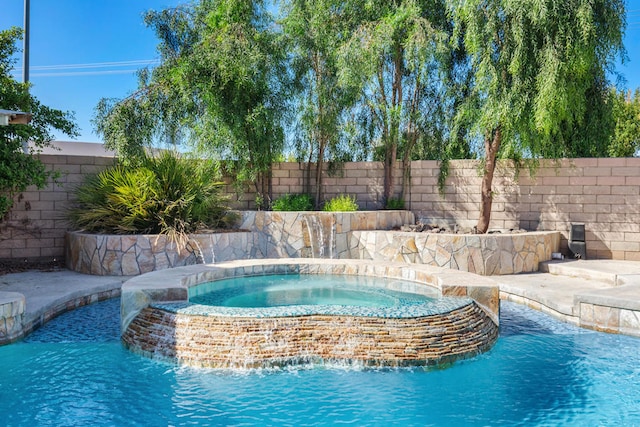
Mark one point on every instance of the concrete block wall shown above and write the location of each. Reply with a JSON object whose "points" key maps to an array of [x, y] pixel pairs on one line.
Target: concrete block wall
{"points": [[604, 194], [36, 226]]}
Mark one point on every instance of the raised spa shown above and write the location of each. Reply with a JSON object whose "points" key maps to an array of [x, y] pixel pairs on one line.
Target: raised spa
{"points": [[256, 321]]}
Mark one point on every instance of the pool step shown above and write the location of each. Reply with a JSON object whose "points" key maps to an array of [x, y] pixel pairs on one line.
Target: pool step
{"points": [[597, 294], [614, 272]]}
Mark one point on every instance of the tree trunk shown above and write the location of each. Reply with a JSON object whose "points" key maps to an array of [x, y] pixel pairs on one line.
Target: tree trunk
{"points": [[391, 151], [389, 164], [406, 163], [319, 181], [492, 142]]}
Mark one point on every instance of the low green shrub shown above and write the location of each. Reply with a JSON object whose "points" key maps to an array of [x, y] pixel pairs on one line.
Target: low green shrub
{"points": [[341, 203], [395, 204], [164, 195], [293, 202]]}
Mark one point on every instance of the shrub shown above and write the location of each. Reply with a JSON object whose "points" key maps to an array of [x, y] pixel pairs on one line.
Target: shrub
{"points": [[293, 202], [165, 195], [341, 203], [395, 204]]}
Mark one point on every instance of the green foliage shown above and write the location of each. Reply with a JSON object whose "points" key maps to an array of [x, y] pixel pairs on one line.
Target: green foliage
{"points": [[395, 204], [625, 141], [314, 31], [219, 88], [381, 80], [341, 203], [293, 202], [166, 194], [393, 60], [536, 67], [17, 169]]}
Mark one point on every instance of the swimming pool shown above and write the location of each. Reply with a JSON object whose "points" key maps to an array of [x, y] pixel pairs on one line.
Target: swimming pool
{"points": [[74, 371]]}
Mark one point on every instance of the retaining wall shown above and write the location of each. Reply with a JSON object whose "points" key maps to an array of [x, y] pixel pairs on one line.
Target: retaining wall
{"points": [[486, 254], [333, 235], [604, 194]]}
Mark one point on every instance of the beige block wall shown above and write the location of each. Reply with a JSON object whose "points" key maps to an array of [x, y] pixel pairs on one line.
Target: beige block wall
{"points": [[36, 226], [604, 194]]}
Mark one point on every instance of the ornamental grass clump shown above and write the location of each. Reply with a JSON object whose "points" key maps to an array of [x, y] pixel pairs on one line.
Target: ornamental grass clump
{"points": [[165, 194]]}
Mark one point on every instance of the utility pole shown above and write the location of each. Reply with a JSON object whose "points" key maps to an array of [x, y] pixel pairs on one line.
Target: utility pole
{"points": [[25, 57], [25, 53]]}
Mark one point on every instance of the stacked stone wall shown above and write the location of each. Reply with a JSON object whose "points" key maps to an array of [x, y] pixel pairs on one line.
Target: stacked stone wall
{"points": [[604, 194], [231, 342]]}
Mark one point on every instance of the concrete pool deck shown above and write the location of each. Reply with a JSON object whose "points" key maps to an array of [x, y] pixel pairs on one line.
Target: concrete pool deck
{"points": [[597, 294]]}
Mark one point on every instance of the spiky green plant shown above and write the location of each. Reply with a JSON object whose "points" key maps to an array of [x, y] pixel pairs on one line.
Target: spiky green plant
{"points": [[166, 194]]}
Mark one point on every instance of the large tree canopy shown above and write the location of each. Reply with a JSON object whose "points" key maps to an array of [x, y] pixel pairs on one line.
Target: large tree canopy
{"points": [[18, 169], [625, 139], [533, 63], [373, 79], [315, 31], [392, 58]]}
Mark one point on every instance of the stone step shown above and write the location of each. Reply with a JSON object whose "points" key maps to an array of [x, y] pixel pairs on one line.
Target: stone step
{"points": [[555, 292], [613, 272]]}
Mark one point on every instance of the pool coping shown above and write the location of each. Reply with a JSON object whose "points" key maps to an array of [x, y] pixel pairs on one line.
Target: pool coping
{"points": [[18, 298], [30, 299], [172, 285]]}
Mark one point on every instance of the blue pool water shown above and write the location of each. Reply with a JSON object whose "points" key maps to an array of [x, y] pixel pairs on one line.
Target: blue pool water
{"points": [[74, 372]]}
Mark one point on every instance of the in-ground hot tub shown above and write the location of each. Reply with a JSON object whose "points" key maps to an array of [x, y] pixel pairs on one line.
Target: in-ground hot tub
{"points": [[261, 320]]}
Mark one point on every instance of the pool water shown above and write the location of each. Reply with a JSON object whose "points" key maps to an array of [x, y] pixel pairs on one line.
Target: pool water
{"points": [[74, 372], [305, 289]]}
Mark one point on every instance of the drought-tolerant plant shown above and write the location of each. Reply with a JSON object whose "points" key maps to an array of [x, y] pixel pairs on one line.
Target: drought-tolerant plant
{"points": [[293, 202], [341, 203], [166, 194]]}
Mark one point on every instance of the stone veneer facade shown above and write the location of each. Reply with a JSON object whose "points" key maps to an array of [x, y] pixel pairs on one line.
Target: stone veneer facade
{"points": [[340, 235], [212, 341], [487, 255], [130, 255], [617, 319], [260, 234], [230, 342], [12, 305]]}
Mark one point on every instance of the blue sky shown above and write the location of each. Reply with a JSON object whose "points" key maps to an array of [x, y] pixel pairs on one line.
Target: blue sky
{"points": [[84, 50]]}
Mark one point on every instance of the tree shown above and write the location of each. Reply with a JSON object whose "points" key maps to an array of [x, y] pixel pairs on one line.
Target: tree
{"points": [[392, 58], [218, 88], [625, 141], [533, 63], [18, 169], [315, 30]]}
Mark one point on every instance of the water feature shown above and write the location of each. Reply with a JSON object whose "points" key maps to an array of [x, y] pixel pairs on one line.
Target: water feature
{"points": [[194, 247], [319, 231], [74, 371], [276, 320]]}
